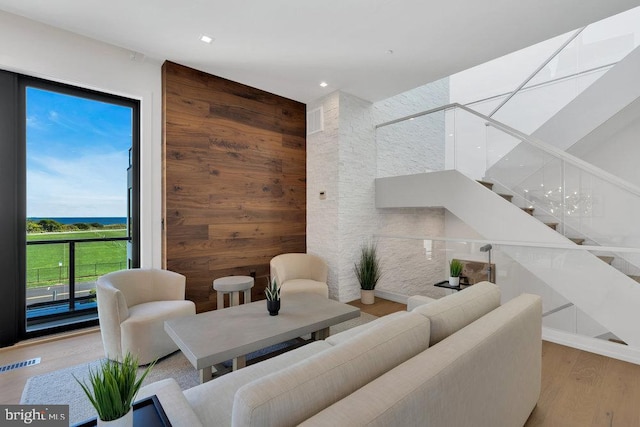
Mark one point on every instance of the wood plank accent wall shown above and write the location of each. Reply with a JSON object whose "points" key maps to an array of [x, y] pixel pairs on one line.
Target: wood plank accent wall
{"points": [[234, 179]]}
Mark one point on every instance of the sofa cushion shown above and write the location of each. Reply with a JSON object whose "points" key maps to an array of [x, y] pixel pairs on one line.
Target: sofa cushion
{"points": [[352, 332], [417, 300], [485, 375], [454, 312], [213, 400], [304, 285], [291, 395]]}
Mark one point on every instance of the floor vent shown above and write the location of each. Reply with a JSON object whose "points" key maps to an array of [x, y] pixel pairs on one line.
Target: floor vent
{"points": [[17, 365]]}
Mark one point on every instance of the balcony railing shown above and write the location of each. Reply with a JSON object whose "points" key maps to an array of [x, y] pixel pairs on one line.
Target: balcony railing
{"points": [[68, 289]]}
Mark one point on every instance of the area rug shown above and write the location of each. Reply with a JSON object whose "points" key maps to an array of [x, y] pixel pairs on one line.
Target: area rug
{"points": [[60, 387]]}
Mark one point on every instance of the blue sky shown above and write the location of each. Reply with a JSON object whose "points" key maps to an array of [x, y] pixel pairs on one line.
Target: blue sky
{"points": [[77, 156]]}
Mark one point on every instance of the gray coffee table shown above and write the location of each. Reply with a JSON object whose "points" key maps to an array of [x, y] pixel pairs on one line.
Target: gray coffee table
{"points": [[213, 337]]}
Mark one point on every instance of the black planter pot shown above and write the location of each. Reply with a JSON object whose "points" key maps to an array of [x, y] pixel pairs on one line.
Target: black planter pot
{"points": [[273, 307]]}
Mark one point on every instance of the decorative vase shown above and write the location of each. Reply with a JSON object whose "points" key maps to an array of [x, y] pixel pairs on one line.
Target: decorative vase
{"points": [[367, 296], [124, 421], [454, 281], [273, 307]]}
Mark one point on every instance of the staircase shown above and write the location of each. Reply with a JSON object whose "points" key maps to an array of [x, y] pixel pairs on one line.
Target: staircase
{"points": [[524, 168], [553, 225], [590, 283]]}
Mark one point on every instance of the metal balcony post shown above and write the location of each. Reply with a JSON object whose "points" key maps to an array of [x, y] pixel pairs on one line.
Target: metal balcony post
{"points": [[72, 275]]}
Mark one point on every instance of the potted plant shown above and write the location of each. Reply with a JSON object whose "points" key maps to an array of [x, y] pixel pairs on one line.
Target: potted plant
{"points": [[368, 272], [273, 297], [455, 270], [112, 389]]}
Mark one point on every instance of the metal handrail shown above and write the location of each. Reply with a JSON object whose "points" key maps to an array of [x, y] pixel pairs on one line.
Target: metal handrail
{"points": [[496, 243], [545, 83], [93, 239], [537, 70], [71, 264], [553, 151]]}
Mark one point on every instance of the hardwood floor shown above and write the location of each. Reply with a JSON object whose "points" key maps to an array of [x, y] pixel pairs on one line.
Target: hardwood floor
{"points": [[583, 389], [64, 350], [56, 352], [381, 307], [578, 388]]}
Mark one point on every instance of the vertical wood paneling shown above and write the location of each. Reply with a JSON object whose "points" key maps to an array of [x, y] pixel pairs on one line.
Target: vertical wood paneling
{"points": [[234, 179]]}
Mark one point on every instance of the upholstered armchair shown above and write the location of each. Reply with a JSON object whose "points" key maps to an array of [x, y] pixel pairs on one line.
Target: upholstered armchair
{"points": [[300, 273], [132, 307]]}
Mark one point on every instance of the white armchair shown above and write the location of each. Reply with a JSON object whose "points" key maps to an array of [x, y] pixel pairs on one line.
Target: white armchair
{"points": [[132, 307], [300, 273]]}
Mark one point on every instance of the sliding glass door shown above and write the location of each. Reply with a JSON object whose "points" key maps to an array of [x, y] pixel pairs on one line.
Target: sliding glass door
{"points": [[81, 199], [69, 201]]}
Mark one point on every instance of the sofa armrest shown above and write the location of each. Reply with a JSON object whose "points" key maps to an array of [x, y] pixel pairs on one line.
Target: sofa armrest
{"points": [[112, 311], [455, 311], [173, 402]]}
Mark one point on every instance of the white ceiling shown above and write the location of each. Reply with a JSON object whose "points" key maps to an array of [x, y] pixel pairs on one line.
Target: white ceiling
{"points": [[289, 46]]}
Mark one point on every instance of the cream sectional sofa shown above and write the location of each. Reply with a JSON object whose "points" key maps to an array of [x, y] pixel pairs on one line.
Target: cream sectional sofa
{"points": [[462, 360]]}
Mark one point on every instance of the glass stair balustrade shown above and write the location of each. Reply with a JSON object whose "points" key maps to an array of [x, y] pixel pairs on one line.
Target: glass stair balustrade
{"points": [[549, 185], [425, 259]]}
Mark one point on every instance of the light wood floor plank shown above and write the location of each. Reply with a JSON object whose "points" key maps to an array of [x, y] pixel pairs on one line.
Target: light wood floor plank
{"points": [[556, 366], [55, 354], [381, 307], [620, 397], [584, 389]]}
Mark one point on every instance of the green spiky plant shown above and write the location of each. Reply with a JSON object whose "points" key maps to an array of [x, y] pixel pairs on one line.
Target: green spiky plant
{"points": [[455, 268], [113, 386], [368, 269], [272, 291]]}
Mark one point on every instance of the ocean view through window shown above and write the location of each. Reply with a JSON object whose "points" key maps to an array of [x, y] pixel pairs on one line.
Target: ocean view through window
{"points": [[79, 213]]}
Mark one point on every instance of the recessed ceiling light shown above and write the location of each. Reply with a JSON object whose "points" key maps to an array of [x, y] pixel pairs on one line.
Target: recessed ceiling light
{"points": [[324, 84], [389, 52], [206, 39]]}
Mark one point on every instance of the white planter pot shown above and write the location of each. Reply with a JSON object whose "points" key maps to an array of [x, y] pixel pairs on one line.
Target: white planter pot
{"points": [[454, 281], [367, 296], [125, 421]]}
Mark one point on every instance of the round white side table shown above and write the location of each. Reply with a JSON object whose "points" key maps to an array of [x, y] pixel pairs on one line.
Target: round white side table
{"points": [[233, 285]]}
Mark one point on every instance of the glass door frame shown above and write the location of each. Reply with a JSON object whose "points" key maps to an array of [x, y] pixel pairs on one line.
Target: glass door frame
{"points": [[133, 190]]}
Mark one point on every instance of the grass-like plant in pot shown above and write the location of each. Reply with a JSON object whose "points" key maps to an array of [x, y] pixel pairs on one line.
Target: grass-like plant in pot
{"points": [[455, 270], [272, 291], [113, 387], [368, 272]]}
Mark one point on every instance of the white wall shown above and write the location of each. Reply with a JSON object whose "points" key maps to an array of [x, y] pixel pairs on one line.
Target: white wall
{"points": [[38, 50], [322, 175], [411, 147], [357, 171], [342, 161]]}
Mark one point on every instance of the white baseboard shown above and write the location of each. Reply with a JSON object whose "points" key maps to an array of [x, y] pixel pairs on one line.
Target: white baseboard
{"points": [[592, 345], [402, 299]]}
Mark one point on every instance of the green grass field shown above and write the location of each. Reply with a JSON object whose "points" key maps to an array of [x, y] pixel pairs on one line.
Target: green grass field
{"points": [[93, 259]]}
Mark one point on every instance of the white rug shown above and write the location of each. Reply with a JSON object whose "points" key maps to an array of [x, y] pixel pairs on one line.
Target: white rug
{"points": [[59, 387]]}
